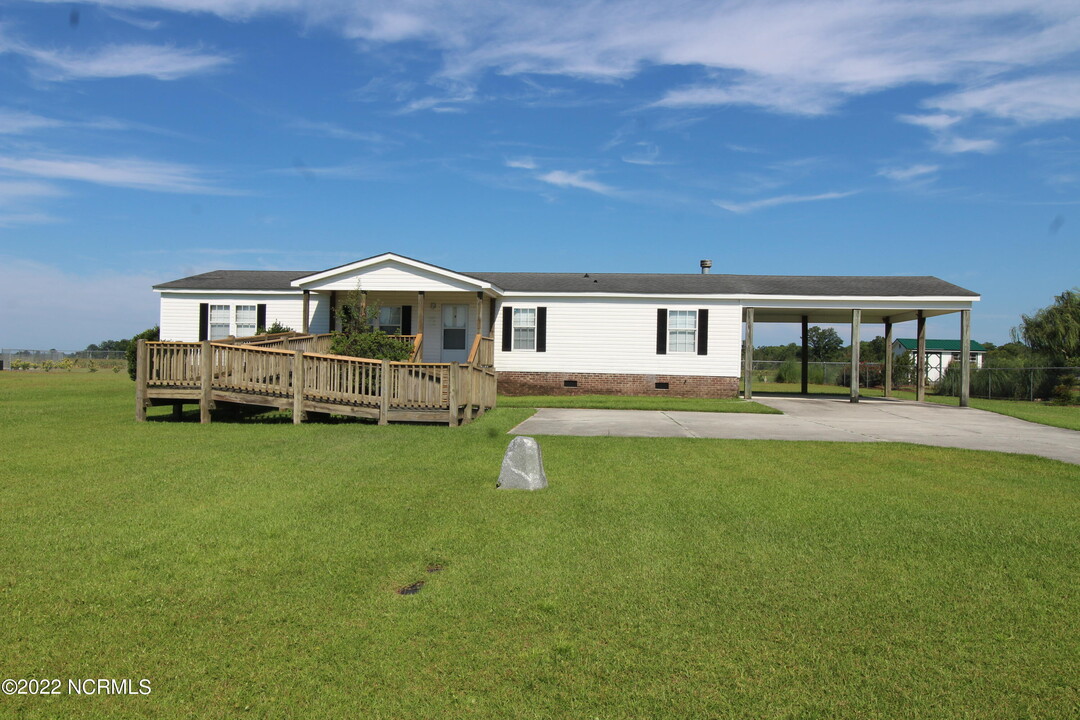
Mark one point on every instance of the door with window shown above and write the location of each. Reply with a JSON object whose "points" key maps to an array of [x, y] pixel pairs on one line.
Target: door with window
{"points": [[455, 322]]}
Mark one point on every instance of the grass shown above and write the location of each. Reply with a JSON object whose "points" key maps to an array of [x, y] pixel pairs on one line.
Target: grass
{"points": [[1062, 416], [249, 569], [611, 402]]}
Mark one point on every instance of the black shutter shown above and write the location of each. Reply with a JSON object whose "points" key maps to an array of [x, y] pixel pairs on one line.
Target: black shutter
{"points": [[541, 329], [406, 320], [508, 328], [333, 310], [661, 331], [703, 332], [204, 321], [260, 317]]}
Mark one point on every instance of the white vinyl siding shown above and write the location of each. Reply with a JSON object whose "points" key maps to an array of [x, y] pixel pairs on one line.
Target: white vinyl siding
{"points": [[618, 335], [179, 318], [524, 329], [682, 331], [246, 318]]}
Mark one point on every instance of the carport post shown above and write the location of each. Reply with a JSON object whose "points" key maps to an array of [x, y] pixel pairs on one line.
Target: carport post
{"points": [[887, 380], [856, 319], [748, 356], [920, 360], [805, 356], [965, 357]]}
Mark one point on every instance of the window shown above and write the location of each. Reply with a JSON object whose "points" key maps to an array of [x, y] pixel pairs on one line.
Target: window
{"points": [[524, 328], [219, 322], [390, 320], [682, 331], [245, 320]]}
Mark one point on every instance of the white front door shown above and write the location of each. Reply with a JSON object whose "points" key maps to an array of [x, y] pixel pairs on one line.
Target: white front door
{"points": [[455, 320]]}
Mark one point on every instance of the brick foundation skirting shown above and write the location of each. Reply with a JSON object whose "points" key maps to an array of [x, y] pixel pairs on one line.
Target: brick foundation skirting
{"points": [[558, 383]]}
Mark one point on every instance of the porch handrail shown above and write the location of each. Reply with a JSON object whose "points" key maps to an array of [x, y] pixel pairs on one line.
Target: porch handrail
{"points": [[482, 352]]}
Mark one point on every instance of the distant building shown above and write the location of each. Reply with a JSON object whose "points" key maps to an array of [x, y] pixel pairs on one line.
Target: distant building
{"points": [[939, 353]]}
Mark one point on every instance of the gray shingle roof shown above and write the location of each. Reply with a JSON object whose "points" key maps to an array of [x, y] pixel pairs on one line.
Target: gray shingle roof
{"points": [[635, 283], [238, 280], [696, 283]]}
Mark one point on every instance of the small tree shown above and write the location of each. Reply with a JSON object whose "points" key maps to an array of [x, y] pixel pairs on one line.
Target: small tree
{"points": [[359, 336]]}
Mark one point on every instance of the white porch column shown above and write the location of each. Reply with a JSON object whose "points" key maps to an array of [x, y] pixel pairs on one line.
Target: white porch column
{"points": [[965, 358], [748, 356], [856, 320]]}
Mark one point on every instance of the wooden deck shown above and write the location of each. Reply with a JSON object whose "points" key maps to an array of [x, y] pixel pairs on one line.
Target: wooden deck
{"points": [[266, 374]]}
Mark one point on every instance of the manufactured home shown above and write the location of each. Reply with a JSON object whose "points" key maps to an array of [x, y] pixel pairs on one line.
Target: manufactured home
{"points": [[679, 334]]}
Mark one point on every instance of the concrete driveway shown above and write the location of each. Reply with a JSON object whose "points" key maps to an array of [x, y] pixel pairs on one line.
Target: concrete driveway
{"points": [[824, 418]]}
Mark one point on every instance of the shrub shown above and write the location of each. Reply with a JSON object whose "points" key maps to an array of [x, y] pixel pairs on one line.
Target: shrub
{"points": [[153, 333], [373, 344], [274, 329]]}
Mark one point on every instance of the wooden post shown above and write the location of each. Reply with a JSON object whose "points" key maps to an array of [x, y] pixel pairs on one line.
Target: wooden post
{"points": [[748, 356], [384, 396], [480, 312], [965, 358], [920, 359], [298, 388], [455, 377], [470, 393], [887, 379], [856, 320], [805, 355], [206, 379], [307, 312], [177, 411], [141, 367]]}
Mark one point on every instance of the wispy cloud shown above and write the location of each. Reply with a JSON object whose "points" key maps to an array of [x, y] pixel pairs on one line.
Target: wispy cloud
{"points": [[802, 58], [953, 144], [646, 153], [581, 180], [911, 172], [128, 173], [163, 62], [134, 21], [331, 130], [1029, 100], [780, 200], [526, 163], [17, 122]]}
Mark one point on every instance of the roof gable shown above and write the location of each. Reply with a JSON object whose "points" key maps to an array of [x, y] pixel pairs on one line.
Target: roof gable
{"points": [[390, 271]]}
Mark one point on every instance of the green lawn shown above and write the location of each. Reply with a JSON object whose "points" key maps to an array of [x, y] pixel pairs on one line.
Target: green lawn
{"points": [[612, 402], [249, 569], [1063, 416]]}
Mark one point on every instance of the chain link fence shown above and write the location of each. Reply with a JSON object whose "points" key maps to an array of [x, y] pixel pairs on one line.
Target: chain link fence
{"points": [[992, 383]]}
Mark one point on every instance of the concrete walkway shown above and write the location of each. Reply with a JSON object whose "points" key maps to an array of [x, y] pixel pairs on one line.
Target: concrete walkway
{"points": [[823, 418]]}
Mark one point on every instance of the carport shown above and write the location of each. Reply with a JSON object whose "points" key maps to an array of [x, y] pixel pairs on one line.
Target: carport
{"points": [[862, 300]]}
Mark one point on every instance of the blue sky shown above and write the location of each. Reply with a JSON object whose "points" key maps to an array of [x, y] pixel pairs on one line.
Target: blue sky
{"points": [[146, 140]]}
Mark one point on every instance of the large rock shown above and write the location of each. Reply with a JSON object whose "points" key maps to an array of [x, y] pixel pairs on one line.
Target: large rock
{"points": [[522, 466]]}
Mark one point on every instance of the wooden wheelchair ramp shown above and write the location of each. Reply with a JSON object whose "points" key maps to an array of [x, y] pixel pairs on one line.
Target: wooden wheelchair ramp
{"points": [[175, 373]]}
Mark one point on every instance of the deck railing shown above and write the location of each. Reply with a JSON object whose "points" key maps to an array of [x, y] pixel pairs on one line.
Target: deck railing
{"points": [[259, 375], [482, 352]]}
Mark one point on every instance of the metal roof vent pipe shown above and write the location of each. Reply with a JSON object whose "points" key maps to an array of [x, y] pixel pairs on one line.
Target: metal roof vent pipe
{"points": [[706, 267]]}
